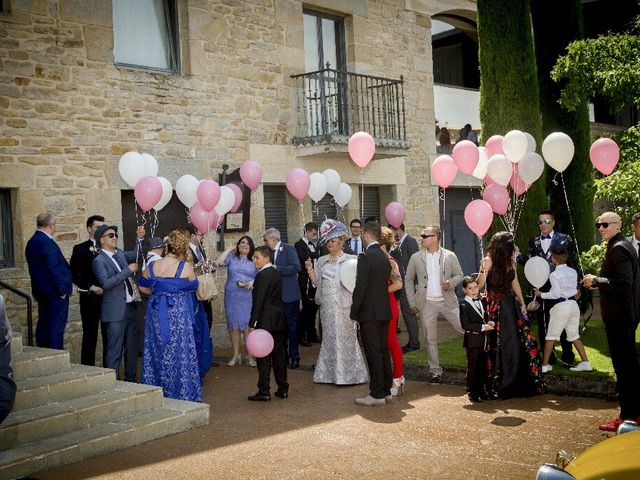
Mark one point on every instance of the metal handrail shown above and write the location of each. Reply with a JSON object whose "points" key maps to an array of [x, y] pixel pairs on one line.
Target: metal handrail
{"points": [[27, 297]]}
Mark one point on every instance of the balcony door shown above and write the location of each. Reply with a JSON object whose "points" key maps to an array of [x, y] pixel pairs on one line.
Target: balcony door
{"points": [[324, 90]]}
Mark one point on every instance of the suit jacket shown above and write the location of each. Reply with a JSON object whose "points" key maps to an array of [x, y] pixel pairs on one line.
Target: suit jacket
{"points": [[266, 306], [370, 296], [557, 240], [49, 270], [403, 252], [307, 290], [350, 244], [288, 264], [630, 240], [415, 280], [194, 254], [82, 265], [471, 321], [114, 295]]}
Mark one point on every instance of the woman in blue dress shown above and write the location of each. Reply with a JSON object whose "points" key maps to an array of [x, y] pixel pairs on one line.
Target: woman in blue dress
{"points": [[170, 359], [241, 272]]}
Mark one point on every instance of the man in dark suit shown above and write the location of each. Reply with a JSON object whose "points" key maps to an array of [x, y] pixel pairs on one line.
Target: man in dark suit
{"points": [[406, 246], [51, 283], [114, 270], [285, 260], [354, 242], [541, 246], [266, 313], [307, 250], [619, 286], [371, 309], [200, 255], [90, 293]]}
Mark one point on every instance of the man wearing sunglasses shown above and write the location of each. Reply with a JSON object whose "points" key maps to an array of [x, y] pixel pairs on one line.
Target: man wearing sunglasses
{"points": [[114, 270], [541, 246], [430, 282], [619, 286]]}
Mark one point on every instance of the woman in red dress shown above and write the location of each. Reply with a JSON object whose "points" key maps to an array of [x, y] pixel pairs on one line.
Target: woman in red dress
{"points": [[387, 242]]}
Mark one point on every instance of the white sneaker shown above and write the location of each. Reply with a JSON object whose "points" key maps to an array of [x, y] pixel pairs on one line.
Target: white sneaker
{"points": [[547, 368], [582, 367]]}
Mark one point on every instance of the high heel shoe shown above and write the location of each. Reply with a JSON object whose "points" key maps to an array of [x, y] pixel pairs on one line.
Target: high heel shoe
{"points": [[235, 360], [251, 361], [397, 387]]}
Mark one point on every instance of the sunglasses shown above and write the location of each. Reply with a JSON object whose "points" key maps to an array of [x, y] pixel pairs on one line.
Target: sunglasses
{"points": [[545, 221], [604, 224], [110, 235], [427, 236]]}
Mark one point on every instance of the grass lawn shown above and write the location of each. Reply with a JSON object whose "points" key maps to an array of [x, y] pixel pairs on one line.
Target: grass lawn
{"points": [[594, 338]]}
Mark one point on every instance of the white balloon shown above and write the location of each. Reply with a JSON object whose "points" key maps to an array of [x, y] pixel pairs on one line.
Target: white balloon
{"points": [[333, 180], [531, 142], [167, 193], [515, 145], [348, 271], [131, 168], [558, 150], [186, 188], [227, 199], [318, 186], [537, 271], [530, 168], [150, 165], [499, 169], [481, 168], [343, 195]]}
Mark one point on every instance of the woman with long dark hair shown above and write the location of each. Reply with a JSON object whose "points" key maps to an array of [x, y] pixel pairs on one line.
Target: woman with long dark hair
{"points": [[516, 370]]}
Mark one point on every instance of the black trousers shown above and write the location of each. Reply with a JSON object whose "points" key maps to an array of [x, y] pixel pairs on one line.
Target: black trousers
{"points": [[308, 319], [90, 306], [543, 322], [374, 341], [476, 370], [209, 311], [622, 347], [277, 360]]}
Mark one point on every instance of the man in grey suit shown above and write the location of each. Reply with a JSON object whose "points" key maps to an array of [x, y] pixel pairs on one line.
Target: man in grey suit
{"points": [[114, 270], [431, 278], [405, 248], [634, 239]]}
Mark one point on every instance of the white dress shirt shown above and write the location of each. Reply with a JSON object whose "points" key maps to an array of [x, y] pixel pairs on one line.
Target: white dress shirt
{"points": [[476, 303], [564, 281], [546, 243], [312, 247], [434, 288], [276, 251], [356, 245]]}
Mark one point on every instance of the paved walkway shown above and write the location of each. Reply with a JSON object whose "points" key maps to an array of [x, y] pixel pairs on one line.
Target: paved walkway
{"points": [[319, 432]]}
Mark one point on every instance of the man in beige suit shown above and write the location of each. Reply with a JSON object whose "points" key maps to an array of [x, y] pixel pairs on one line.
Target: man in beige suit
{"points": [[432, 276]]}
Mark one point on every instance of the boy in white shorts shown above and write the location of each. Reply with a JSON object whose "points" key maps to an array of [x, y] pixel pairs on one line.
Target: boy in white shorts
{"points": [[565, 315]]}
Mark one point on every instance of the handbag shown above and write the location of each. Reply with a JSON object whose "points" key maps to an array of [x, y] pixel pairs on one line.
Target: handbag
{"points": [[206, 287]]}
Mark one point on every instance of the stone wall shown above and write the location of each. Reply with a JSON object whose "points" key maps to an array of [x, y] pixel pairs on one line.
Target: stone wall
{"points": [[68, 113]]}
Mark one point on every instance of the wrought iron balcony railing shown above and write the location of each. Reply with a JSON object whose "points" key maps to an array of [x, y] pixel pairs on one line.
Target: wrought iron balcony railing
{"points": [[331, 105]]}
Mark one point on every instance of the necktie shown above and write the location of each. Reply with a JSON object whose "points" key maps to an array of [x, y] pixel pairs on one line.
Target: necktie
{"points": [[357, 246], [128, 280], [203, 254]]}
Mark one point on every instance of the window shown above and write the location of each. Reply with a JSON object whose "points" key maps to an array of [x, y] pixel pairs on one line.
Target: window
{"points": [[275, 209], [145, 34], [6, 232], [371, 203], [325, 208]]}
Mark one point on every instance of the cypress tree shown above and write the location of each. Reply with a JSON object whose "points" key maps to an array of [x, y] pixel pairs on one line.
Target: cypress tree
{"points": [[509, 93]]}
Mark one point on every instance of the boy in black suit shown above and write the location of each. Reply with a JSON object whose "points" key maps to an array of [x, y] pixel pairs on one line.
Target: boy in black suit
{"points": [[473, 318], [266, 313]]}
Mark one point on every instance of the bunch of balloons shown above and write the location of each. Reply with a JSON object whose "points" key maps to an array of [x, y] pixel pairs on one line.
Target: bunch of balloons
{"points": [[140, 170], [300, 184]]}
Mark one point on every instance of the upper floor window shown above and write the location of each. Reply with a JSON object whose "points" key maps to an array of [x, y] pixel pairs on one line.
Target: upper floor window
{"points": [[6, 233], [323, 41], [145, 34]]}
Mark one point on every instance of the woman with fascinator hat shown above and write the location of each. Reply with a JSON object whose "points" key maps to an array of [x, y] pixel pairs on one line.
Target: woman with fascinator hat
{"points": [[341, 361]]}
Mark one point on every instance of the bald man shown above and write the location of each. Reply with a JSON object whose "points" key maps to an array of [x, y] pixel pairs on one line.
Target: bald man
{"points": [[619, 286]]}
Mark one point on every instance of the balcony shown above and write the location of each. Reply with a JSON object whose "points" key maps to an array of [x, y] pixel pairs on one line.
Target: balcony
{"points": [[331, 105]]}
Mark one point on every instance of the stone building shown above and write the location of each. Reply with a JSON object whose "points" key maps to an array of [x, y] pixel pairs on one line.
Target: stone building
{"points": [[200, 84]]}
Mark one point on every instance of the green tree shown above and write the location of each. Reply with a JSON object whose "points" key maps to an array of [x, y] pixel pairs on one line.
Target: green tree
{"points": [[509, 93]]}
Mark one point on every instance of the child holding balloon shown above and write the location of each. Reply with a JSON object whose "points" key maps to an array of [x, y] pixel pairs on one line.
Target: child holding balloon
{"points": [[565, 315], [267, 315]]}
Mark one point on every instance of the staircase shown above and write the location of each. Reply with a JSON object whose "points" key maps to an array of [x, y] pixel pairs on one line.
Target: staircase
{"points": [[65, 413]]}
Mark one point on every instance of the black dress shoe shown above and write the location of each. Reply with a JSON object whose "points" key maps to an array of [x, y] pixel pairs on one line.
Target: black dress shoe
{"points": [[282, 393], [295, 364], [260, 397], [475, 398], [316, 339], [305, 343]]}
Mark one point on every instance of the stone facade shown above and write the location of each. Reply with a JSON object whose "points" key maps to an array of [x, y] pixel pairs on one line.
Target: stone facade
{"points": [[69, 113]]}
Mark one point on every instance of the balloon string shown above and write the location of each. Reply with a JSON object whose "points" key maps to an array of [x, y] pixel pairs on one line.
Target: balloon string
{"points": [[443, 197], [302, 211], [362, 193], [573, 228], [523, 199]]}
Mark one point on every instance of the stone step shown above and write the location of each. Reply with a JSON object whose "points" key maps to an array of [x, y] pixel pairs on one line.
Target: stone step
{"points": [[16, 345], [176, 416], [58, 418], [37, 362], [78, 381]]}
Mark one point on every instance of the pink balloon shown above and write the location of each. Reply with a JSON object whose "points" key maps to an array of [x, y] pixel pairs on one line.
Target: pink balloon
{"points": [[604, 154], [489, 181], [203, 220], [298, 183], [395, 213], [238, 194], [478, 216], [148, 191], [444, 170], [208, 194], [498, 197], [517, 184], [361, 148], [251, 173], [494, 146], [259, 343], [466, 156]]}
